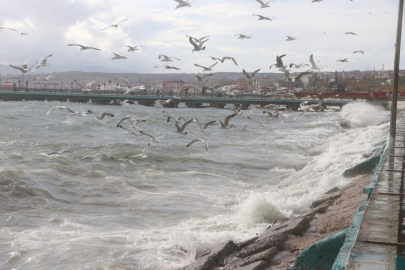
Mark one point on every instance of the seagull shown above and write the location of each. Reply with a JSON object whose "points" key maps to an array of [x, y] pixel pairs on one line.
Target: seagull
{"points": [[302, 74], [131, 118], [123, 159], [313, 65], [94, 156], [142, 155], [24, 69], [290, 38], [206, 68], [287, 75], [343, 60], [225, 124], [168, 67], [315, 107], [268, 106], [182, 3], [298, 66], [42, 78], [316, 1], [24, 34], [198, 40], [79, 113], [258, 122], [115, 25], [43, 62], [60, 108], [204, 126], [262, 17], [104, 114], [358, 52], [198, 47], [167, 59], [83, 48], [350, 33], [201, 78], [242, 35], [1, 28], [252, 75], [264, 5], [165, 102], [180, 130], [279, 62], [132, 48], [130, 131], [87, 87], [123, 102], [117, 56], [150, 136], [199, 140], [227, 58], [59, 153]]}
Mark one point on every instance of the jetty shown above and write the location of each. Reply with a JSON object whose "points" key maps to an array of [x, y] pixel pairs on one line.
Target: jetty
{"points": [[290, 101]]}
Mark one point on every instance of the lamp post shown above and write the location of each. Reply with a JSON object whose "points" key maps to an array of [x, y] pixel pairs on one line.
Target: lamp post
{"points": [[104, 88]]}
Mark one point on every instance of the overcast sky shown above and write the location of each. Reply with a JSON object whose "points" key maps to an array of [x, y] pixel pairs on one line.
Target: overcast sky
{"points": [[160, 27]]}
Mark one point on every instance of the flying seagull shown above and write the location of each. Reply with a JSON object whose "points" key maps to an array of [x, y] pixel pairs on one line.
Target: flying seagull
{"points": [[168, 67], [225, 124], [166, 58], [358, 52], [199, 140], [198, 40], [1, 28], [290, 38], [242, 36], [343, 60], [142, 155], [83, 48], [252, 75], [262, 17], [350, 33], [43, 62], [24, 34], [117, 56], [24, 68], [59, 153], [132, 48], [205, 125], [313, 65], [114, 25], [279, 62], [93, 156], [182, 3], [264, 5], [206, 68], [180, 129], [104, 114], [60, 108], [197, 47]]}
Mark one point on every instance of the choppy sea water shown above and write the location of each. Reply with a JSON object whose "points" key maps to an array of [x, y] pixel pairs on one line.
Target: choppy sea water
{"points": [[105, 213]]}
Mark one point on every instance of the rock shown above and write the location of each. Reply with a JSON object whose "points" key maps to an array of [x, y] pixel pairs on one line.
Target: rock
{"points": [[219, 252], [266, 256], [262, 243], [364, 167], [331, 196], [202, 264], [254, 266], [333, 190], [320, 209], [247, 242], [295, 227]]}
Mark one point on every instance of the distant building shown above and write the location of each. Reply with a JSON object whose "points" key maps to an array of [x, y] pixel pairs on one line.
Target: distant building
{"points": [[173, 85], [243, 84], [265, 83]]}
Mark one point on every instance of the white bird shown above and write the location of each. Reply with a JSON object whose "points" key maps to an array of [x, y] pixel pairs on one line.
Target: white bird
{"points": [[262, 17], [260, 123], [166, 102], [85, 88], [201, 78], [290, 38], [316, 1], [180, 129], [43, 78], [251, 75], [199, 140], [94, 156], [206, 68], [279, 62], [114, 25], [150, 136], [343, 60], [168, 67], [79, 113], [166, 58], [1, 28], [132, 48], [202, 126], [83, 47], [131, 118], [197, 47], [313, 65], [198, 40], [227, 58], [123, 102], [130, 131], [43, 62], [242, 36], [182, 3], [117, 56], [298, 66], [104, 114], [225, 124], [302, 74], [358, 52], [59, 153], [315, 107], [24, 69], [142, 155], [60, 108], [264, 5], [24, 34], [350, 33]]}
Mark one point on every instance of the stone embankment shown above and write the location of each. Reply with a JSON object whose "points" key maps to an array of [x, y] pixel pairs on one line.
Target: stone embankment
{"points": [[278, 247]]}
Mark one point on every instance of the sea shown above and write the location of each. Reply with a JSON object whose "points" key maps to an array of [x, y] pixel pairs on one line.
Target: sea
{"points": [[115, 211]]}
